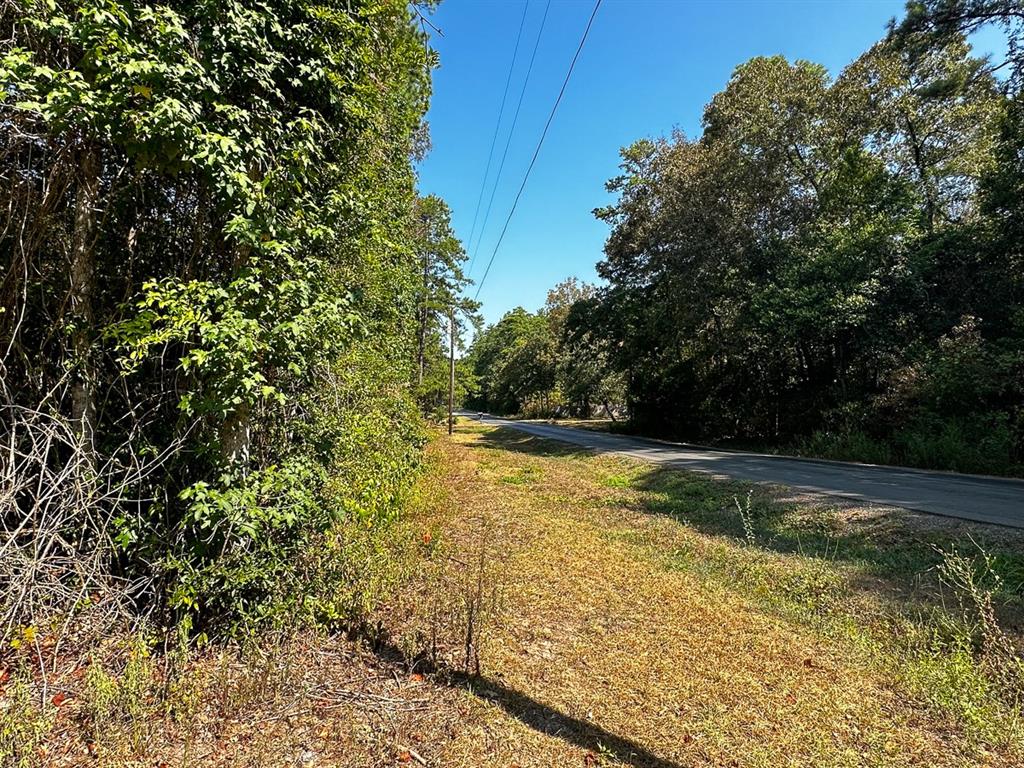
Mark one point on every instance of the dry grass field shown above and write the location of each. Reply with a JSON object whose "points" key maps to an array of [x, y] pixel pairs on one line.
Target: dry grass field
{"points": [[563, 609]]}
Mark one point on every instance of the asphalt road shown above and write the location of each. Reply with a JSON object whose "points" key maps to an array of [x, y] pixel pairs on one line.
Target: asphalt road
{"points": [[969, 497]]}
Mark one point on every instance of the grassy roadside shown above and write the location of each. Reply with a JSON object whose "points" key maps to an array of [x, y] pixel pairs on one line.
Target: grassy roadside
{"points": [[856, 592], [617, 614]]}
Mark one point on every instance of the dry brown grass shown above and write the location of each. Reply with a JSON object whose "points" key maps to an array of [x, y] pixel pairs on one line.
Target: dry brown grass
{"points": [[595, 648], [661, 667], [306, 700]]}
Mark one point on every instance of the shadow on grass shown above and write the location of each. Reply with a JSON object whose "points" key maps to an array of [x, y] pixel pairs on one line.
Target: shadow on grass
{"points": [[552, 722], [505, 439], [898, 548], [541, 717], [891, 549]]}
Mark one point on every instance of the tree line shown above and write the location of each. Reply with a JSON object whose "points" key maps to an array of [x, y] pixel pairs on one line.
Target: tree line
{"points": [[221, 296], [834, 264], [546, 363]]}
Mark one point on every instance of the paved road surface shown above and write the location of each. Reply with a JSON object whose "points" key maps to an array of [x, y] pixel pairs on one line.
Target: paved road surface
{"points": [[984, 499]]}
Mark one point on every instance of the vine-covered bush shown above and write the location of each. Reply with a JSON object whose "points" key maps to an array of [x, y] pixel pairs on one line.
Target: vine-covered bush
{"points": [[209, 290]]}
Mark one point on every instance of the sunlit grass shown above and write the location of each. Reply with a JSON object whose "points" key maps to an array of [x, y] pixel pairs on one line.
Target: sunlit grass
{"points": [[864, 579]]}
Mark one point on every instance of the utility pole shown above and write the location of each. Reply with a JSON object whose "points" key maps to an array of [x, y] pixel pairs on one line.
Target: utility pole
{"points": [[451, 371]]}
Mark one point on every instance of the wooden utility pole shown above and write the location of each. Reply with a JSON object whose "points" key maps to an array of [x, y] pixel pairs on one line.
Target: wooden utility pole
{"points": [[451, 372]]}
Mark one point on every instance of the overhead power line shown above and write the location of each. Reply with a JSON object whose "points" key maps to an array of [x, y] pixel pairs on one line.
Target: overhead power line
{"points": [[540, 143], [497, 125], [508, 141]]}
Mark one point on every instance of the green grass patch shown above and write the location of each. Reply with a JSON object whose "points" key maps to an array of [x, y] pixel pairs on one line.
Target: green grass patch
{"points": [[523, 476], [617, 481]]}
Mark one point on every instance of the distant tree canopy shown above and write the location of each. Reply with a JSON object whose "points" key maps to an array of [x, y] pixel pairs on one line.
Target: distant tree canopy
{"points": [[544, 363], [833, 262], [211, 291]]}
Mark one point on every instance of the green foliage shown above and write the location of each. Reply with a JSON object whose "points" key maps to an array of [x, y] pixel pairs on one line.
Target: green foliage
{"points": [[969, 666], [235, 194], [441, 305], [127, 698], [833, 263], [931, 21], [551, 362], [514, 362], [850, 445], [24, 723]]}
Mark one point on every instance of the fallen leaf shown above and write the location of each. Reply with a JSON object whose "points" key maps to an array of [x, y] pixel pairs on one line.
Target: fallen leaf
{"points": [[404, 757], [58, 699], [416, 677]]}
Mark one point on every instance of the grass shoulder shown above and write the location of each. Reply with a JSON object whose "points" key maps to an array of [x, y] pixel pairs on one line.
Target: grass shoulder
{"points": [[539, 604]]}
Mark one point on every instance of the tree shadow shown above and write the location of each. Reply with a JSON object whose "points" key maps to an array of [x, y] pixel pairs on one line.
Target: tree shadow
{"points": [[535, 714], [893, 550], [505, 439], [552, 722]]}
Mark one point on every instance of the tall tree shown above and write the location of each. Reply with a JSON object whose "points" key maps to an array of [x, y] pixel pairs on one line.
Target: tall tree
{"points": [[930, 115], [440, 300], [514, 362], [441, 257], [929, 23]]}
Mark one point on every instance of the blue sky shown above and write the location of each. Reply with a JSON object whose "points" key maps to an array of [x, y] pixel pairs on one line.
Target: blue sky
{"points": [[648, 66]]}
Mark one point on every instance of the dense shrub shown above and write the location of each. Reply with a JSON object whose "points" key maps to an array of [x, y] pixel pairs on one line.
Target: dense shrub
{"points": [[208, 290]]}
